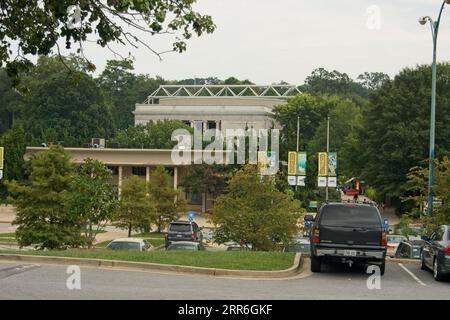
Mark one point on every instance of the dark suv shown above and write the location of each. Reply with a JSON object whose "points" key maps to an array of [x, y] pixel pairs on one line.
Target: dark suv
{"points": [[183, 231], [348, 233]]}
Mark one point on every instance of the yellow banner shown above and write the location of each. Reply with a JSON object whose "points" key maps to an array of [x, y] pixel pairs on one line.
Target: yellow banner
{"points": [[292, 163], [323, 164], [1, 157]]}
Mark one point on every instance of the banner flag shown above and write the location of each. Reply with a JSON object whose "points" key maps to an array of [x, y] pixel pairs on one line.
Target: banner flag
{"points": [[301, 164], [332, 164], [323, 164], [292, 163]]}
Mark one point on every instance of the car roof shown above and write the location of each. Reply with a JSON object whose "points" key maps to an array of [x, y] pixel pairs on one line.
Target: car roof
{"points": [[128, 240], [181, 222], [348, 203]]}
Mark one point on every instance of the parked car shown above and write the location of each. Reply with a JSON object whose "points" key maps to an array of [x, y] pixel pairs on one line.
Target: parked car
{"points": [[348, 233], [183, 231], [409, 249], [393, 241], [130, 244], [234, 246], [208, 235], [300, 244], [436, 253], [185, 246]]}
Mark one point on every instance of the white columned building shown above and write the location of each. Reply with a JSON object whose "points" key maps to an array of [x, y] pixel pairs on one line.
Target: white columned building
{"points": [[217, 106]]}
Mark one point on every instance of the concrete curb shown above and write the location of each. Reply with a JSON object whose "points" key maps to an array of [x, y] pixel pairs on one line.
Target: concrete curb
{"points": [[143, 266]]}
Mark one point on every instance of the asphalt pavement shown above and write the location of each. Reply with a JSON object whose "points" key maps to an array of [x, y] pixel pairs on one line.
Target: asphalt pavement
{"points": [[21, 281]]}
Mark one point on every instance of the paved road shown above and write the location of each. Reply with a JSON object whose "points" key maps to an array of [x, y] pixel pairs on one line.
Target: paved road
{"points": [[49, 282]]}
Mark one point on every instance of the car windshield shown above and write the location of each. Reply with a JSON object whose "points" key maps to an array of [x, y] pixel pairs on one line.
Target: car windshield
{"points": [[183, 246], [350, 215], [179, 227], [124, 245]]}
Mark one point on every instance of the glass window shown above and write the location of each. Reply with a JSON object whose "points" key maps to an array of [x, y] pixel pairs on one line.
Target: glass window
{"points": [[178, 227], [139, 171], [123, 245], [350, 215], [114, 170]]}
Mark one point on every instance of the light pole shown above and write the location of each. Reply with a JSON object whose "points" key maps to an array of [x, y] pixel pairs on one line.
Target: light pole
{"points": [[434, 33], [328, 150]]}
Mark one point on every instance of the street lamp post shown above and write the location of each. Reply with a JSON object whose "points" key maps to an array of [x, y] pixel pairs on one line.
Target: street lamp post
{"points": [[434, 33]]}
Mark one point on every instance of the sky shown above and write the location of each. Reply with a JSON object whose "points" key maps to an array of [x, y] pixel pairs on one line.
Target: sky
{"points": [[267, 41]]}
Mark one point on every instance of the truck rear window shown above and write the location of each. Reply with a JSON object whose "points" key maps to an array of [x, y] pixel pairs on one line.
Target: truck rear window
{"points": [[350, 215], [178, 227]]}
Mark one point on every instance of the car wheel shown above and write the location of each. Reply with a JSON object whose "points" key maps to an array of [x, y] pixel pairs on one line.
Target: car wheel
{"points": [[437, 274], [423, 266], [316, 264], [382, 267]]}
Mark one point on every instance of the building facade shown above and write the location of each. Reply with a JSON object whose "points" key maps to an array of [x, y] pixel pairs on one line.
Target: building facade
{"points": [[215, 106]]}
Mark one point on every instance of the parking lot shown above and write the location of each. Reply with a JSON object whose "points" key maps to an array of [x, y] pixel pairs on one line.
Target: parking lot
{"points": [[405, 281]]}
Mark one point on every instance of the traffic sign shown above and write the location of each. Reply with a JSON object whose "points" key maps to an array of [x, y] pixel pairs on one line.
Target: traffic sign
{"points": [[301, 181], [292, 180], [386, 224], [191, 215]]}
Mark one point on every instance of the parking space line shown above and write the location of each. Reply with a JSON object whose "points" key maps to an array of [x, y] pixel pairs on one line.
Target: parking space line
{"points": [[412, 275]]}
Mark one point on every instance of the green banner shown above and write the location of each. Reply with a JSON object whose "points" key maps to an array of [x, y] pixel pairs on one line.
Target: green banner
{"points": [[301, 164]]}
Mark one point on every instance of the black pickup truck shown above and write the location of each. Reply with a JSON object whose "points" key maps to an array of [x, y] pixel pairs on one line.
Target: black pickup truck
{"points": [[348, 233]]}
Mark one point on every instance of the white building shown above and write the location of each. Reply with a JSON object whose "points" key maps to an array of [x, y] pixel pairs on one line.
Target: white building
{"points": [[215, 106]]}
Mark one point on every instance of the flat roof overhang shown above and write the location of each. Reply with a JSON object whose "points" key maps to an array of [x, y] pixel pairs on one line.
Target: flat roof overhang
{"points": [[125, 157]]}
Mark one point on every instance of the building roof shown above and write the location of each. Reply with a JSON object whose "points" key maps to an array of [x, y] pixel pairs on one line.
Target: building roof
{"points": [[224, 91]]}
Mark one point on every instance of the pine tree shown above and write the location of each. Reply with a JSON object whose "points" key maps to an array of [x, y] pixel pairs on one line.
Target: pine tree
{"points": [[135, 207], [42, 218], [167, 202]]}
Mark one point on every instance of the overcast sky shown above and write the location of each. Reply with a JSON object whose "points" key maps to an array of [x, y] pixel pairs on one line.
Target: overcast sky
{"points": [[268, 41]]}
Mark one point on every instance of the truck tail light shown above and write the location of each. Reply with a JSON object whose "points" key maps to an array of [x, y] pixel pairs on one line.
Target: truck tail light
{"points": [[316, 236], [447, 250], [383, 239]]}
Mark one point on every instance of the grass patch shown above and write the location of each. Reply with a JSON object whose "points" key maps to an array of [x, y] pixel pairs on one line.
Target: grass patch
{"points": [[149, 235], [8, 235], [8, 241], [239, 260], [153, 242]]}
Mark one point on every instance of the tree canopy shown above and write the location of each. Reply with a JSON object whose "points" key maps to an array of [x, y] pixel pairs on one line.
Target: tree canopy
{"points": [[37, 26]]}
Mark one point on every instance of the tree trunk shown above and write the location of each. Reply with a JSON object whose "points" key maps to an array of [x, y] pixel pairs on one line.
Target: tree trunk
{"points": [[129, 230]]}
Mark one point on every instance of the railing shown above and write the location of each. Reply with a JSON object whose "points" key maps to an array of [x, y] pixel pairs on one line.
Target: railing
{"points": [[223, 91]]}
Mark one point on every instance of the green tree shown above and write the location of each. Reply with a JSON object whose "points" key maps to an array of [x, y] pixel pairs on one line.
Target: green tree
{"points": [[373, 80], [253, 212], [417, 190], [152, 135], [9, 102], [168, 204], [36, 26], [322, 81], [395, 135], [42, 218], [205, 179], [91, 198], [13, 142], [123, 89], [67, 107], [135, 208]]}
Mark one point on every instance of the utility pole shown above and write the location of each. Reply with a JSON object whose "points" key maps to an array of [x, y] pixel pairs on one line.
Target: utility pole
{"points": [[434, 34], [298, 133], [328, 150]]}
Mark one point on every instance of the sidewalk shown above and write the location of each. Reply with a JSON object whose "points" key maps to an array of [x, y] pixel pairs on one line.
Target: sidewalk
{"points": [[7, 213]]}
